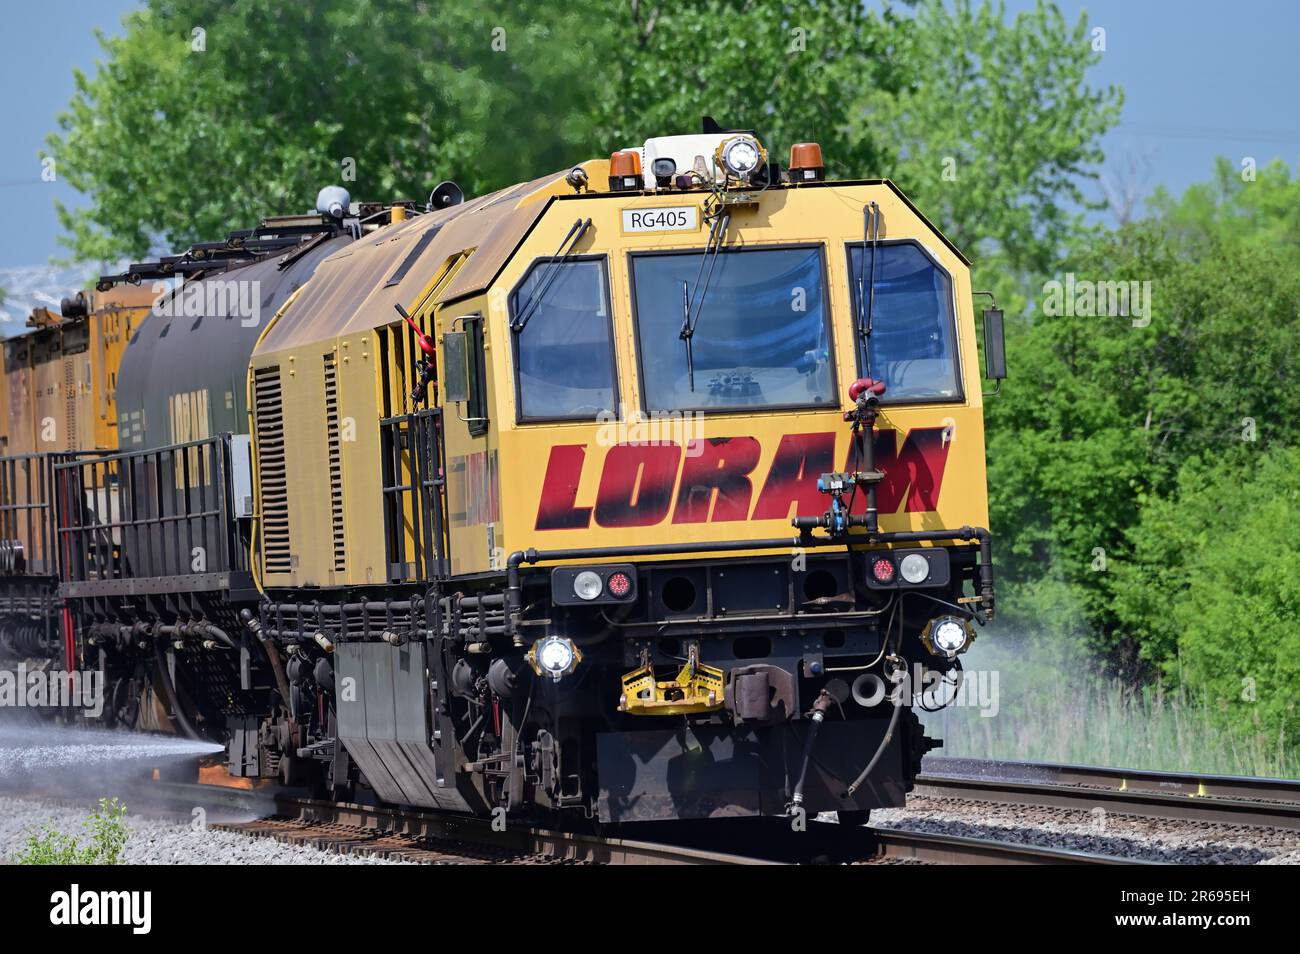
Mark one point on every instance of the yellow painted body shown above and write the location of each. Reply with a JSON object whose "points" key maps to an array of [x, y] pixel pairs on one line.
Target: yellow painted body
{"points": [[831, 215], [61, 377], [494, 480]]}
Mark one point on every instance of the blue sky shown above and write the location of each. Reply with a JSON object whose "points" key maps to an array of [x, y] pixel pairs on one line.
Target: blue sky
{"points": [[1201, 79]]}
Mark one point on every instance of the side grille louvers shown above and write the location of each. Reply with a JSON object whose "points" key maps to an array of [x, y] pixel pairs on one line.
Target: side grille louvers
{"points": [[271, 476], [70, 403], [335, 461]]}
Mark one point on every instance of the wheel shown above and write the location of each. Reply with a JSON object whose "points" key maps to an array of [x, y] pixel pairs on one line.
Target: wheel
{"points": [[857, 817]]}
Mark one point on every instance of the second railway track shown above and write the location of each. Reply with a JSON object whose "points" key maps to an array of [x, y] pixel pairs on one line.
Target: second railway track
{"points": [[1213, 799]]}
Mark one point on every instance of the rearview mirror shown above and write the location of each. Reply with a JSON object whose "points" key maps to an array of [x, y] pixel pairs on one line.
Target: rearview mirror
{"points": [[455, 359], [995, 353]]}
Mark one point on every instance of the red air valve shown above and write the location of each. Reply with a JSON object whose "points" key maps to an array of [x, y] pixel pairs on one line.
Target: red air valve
{"points": [[426, 343], [865, 384]]}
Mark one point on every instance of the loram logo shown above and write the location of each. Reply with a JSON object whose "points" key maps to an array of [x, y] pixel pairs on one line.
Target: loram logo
{"points": [[75, 907], [211, 298], [644, 484]]}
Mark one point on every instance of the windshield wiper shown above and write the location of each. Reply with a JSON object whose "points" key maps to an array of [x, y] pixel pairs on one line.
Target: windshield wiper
{"points": [[690, 316], [870, 233], [562, 254]]}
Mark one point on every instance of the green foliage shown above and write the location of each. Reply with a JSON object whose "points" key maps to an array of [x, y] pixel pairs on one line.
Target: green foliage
{"points": [[1261, 213], [1099, 416], [107, 834], [1146, 476], [1009, 105], [1212, 589], [176, 145]]}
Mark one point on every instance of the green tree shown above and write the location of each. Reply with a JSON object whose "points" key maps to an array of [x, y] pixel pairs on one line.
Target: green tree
{"points": [[1261, 210], [1101, 414], [995, 129], [175, 145], [183, 135]]}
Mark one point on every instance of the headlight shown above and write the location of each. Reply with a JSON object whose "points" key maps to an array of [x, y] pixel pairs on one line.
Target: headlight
{"points": [[914, 568], [554, 656], [741, 156], [663, 167], [587, 585], [947, 636]]}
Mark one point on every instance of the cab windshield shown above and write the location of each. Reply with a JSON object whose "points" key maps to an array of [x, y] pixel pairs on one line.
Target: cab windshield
{"points": [[761, 330]]}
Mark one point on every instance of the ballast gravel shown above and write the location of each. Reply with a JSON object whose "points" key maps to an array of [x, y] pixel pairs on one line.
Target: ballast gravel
{"points": [[1169, 841], [155, 841]]}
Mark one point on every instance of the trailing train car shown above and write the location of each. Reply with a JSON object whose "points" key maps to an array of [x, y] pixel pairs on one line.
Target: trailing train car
{"points": [[649, 490], [65, 478], [156, 536], [58, 399]]}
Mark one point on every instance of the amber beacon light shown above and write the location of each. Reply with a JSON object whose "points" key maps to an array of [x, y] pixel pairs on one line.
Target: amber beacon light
{"points": [[625, 170], [806, 162]]}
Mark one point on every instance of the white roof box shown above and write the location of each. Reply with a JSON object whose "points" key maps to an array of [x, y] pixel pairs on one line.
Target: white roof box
{"points": [[690, 153]]}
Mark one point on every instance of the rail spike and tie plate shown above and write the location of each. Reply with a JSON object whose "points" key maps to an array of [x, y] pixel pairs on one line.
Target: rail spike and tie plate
{"points": [[696, 688]]}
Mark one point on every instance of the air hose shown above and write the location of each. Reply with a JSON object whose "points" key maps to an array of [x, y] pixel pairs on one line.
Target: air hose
{"points": [[884, 744], [173, 700], [818, 715]]}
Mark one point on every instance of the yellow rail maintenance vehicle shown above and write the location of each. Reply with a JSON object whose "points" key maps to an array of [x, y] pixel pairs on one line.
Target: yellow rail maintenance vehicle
{"points": [[642, 491]]}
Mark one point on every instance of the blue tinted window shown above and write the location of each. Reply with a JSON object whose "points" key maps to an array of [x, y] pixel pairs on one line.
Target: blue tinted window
{"points": [[565, 352], [913, 347], [761, 332]]}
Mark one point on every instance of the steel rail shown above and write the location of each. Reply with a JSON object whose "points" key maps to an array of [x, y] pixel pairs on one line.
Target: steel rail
{"points": [[901, 844], [288, 817], [1217, 799]]}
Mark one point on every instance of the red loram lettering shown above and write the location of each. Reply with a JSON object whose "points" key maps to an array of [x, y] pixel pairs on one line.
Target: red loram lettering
{"points": [[556, 511], [915, 471], [792, 480], [636, 486], [720, 470], [637, 480]]}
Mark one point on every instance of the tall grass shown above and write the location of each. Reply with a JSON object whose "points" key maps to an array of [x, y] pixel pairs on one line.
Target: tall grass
{"points": [[1053, 707]]}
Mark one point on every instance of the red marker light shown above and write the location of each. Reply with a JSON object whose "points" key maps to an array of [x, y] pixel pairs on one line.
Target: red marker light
{"points": [[883, 570], [619, 584]]}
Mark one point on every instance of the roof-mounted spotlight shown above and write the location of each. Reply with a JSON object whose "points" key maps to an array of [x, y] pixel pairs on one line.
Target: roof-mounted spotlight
{"points": [[625, 171], [806, 162], [663, 169], [741, 157], [576, 178], [333, 201]]}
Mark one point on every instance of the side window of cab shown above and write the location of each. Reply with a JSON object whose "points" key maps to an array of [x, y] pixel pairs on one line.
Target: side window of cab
{"points": [[563, 341]]}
